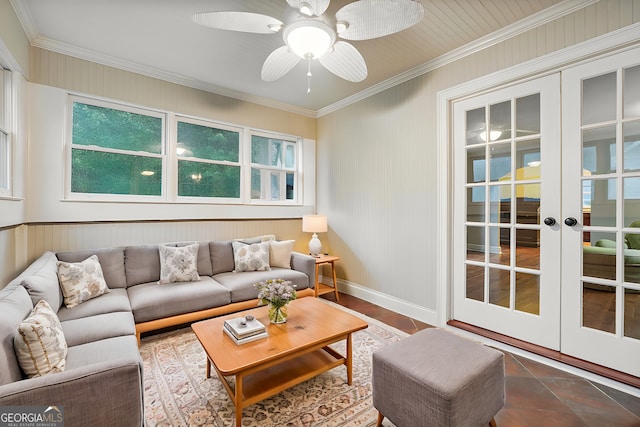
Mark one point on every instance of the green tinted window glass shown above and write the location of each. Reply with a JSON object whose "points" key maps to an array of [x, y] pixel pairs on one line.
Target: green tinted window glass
{"points": [[116, 129], [111, 173], [198, 179], [205, 142]]}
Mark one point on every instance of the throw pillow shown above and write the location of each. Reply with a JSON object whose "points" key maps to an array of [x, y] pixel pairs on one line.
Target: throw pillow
{"points": [[43, 283], [280, 253], [39, 342], [178, 264], [251, 257], [81, 281]]}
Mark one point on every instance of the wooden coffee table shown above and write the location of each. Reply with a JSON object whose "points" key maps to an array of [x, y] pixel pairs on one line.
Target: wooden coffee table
{"points": [[294, 351]]}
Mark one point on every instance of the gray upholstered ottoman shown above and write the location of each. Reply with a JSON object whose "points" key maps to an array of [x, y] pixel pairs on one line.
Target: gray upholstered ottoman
{"points": [[435, 378]]}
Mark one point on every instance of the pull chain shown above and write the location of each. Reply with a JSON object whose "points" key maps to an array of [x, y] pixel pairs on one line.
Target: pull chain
{"points": [[309, 57]]}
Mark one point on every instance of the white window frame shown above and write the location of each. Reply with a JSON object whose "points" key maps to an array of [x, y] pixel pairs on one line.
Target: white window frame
{"points": [[169, 186], [78, 196], [267, 171], [6, 136], [173, 146]]}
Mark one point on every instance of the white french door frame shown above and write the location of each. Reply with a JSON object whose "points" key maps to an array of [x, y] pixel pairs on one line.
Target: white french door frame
{"points": [[610, 43], [614, 42]]}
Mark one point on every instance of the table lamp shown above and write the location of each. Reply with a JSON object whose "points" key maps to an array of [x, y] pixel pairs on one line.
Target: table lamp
{"points": [[314, 224]]}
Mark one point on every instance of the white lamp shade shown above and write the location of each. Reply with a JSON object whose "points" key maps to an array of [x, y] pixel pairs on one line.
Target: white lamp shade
{"points": [[314, 223]]}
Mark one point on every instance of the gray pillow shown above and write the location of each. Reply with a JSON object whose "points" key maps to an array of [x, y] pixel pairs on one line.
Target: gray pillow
{"points": [[43, 284]]}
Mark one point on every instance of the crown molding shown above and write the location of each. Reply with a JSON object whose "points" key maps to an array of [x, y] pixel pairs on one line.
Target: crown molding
{"points": [[544, 16], [547, 15]]}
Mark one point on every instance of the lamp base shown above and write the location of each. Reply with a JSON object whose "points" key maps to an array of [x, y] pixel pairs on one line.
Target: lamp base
{"points": [[315, 246]]}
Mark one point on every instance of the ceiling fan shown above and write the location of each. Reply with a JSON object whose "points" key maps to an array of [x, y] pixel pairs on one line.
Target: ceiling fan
{"points": [[309, 35]]}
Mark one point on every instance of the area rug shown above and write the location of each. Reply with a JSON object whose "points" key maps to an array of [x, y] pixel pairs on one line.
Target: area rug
{"points": [[176, 392]]}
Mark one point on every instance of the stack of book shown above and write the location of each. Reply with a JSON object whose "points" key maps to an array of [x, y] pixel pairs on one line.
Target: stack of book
{"points": [[241, 330]]}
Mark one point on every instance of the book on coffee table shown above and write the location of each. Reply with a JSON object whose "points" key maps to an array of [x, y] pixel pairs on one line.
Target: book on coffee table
{"points": [[246, 339], [242, 328]]}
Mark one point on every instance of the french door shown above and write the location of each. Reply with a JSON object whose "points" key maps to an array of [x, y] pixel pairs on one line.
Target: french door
{"points": [[507, 174], [601, 253], [547, 211]]}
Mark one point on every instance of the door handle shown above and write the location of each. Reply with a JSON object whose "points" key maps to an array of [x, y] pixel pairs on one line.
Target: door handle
{"points": [[570, 221], [550, 221]]}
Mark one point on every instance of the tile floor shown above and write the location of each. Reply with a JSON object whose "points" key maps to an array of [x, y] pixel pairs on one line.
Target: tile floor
{"points": [[536, 394]]}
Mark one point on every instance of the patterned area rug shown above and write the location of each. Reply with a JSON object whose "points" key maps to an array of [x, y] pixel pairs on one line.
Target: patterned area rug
{"points": [[176, 392]]}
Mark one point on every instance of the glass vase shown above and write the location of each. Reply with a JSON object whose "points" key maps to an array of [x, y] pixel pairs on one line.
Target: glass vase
{"points": [[278, 314]]}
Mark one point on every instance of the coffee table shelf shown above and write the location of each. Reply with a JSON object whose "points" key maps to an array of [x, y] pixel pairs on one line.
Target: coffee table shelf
{"points": [[268, 382]]}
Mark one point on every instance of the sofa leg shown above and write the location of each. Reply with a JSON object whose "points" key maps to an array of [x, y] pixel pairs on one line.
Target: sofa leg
{"points": [[380, 418], [492, 423]]}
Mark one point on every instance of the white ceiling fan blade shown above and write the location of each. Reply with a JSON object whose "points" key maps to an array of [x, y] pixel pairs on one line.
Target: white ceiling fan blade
{"points": [[278, 63], [318, 7], [345, 62], [369, 19], [239, 21]]}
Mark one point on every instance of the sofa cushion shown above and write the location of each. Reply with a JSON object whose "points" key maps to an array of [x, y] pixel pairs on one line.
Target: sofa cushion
{"points": [[141, 264], [280, 253], [15, 306], [111, 262], [115, 300], [242, 286], [99, 327], [39, 342], [151, 301], [43, 283], [251, 257], [81, 281], [111, 349], [221, 256], [178, 263]]}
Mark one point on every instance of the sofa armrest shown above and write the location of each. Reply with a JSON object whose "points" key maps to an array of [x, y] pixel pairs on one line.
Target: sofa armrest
{"points": [[305, 264], [101, 394]]}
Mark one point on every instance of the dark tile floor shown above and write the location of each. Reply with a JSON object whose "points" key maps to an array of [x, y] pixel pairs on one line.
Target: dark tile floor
{"points": [[536, 394]]}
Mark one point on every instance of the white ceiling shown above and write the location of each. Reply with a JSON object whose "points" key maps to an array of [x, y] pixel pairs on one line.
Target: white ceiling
{"points": [[158, 38]]}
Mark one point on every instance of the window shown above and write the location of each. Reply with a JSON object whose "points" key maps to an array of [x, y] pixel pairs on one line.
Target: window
{"points": [[208, 160], [120, 152], [273, 168], [5, 135], [116, 150]]}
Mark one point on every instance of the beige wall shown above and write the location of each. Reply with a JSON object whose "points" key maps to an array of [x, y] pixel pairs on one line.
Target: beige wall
{"points": [[14, 38], [380, 154]]}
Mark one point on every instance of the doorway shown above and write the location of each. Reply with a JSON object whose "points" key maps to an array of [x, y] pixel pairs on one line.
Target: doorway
{"points": [[546, 224]]}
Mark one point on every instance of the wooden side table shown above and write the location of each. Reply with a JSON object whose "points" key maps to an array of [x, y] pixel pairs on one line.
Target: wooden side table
{"points": [[324, 289]]}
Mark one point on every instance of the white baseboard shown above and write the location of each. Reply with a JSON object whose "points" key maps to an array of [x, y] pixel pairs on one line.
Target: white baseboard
{"points": [[386, 301]]}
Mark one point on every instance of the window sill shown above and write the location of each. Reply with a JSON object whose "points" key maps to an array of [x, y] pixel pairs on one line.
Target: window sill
{"points": [[11, 198]]}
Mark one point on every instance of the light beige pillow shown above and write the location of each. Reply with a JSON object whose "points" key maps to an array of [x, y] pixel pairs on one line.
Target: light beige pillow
{"points": [[39, 342], [178, 264], [81, 281], [251, 257], [280, 253]]}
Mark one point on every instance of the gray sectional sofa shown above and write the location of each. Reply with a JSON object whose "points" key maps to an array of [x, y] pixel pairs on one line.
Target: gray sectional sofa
{"points": [[101, 384]]}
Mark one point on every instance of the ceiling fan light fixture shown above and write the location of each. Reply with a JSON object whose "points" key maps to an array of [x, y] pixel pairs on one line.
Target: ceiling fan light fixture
{"points": [[341, 26], [309, 38], [306, 9]]}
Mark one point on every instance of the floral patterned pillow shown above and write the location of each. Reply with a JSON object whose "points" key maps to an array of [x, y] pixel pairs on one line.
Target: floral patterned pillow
{"points": [[39, 342], [251, 257], [178, 264], [81, 281]]}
